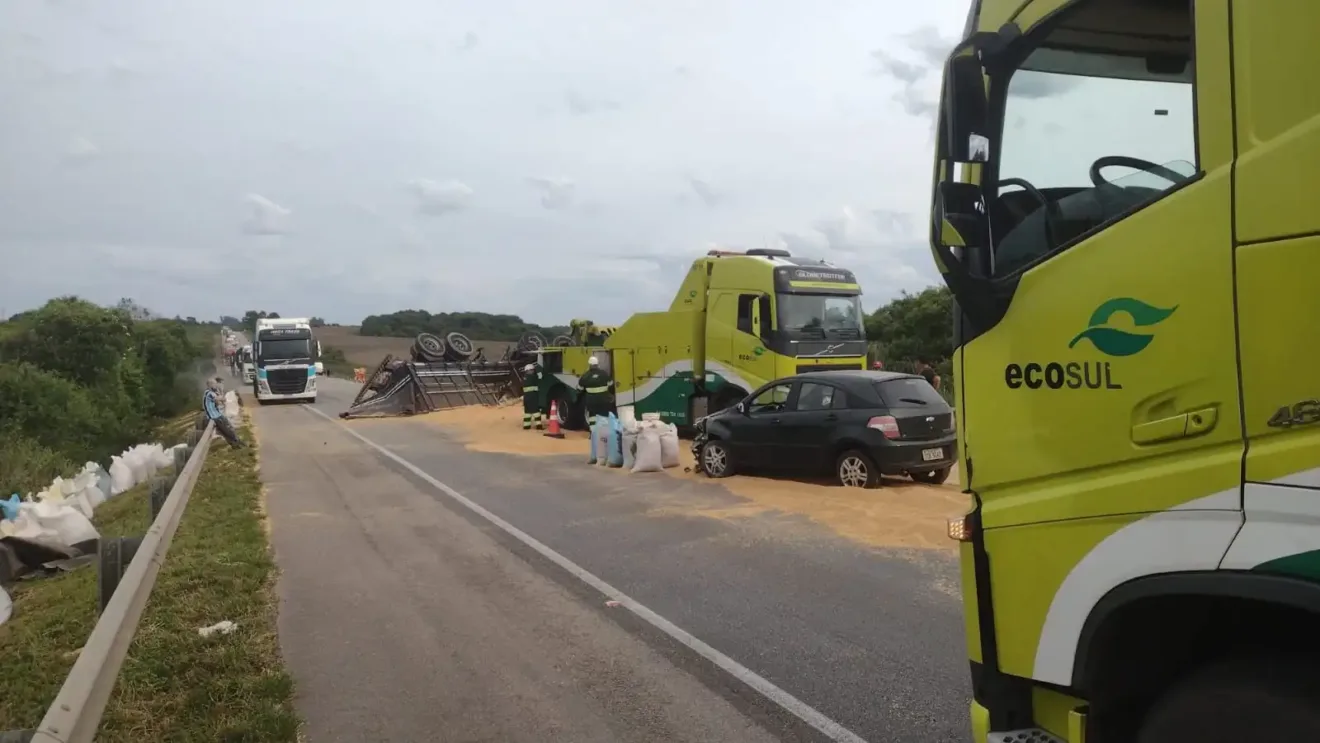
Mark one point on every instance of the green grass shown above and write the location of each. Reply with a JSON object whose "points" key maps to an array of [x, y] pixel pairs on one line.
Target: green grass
{"points": [[175, 685]]}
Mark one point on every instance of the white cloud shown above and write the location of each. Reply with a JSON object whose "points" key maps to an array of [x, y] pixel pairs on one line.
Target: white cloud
{"points": [[440, 198], [266, 217], [81, 150], [556, 193]]}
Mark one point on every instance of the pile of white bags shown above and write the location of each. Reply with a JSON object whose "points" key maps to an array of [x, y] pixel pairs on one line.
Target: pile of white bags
{"points": [[62, 511], [653, 444], [232, 409]]}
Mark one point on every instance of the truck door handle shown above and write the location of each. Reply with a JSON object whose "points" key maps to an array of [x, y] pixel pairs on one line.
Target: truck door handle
{"points": [[1181, 426]]}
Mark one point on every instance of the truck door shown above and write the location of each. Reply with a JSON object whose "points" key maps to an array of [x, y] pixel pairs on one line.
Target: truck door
{"points": [[1096, 356], [751, 359], [1278, 251]]}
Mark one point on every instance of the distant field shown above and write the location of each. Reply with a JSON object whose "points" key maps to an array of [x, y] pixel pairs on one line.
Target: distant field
{"points": [[368, 350]]}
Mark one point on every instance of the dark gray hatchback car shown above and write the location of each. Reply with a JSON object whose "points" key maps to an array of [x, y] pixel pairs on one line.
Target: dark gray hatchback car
{"points": [[858, 424]]}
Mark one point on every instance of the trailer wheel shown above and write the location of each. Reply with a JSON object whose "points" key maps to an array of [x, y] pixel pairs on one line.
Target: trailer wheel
{"points": [[430, 347], [457, 347], [1260, 699], [531, 342], [563, 341]]}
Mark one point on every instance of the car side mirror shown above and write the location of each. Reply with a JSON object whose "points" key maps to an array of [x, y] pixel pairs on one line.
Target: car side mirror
{"points": [[741, 408]]}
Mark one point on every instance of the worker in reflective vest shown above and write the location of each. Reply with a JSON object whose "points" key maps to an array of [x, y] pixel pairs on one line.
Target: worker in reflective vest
{"points": [[596, 385], [532, 398]]}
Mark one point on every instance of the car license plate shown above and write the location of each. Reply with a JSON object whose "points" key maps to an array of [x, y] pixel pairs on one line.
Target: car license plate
{"points": [[932, 455]]}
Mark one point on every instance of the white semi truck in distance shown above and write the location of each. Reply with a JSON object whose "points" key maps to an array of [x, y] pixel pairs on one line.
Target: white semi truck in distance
{"points": [[286, 353], [247, 365]]}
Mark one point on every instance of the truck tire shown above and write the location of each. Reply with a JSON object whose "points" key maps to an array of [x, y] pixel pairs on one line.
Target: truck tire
{"points": [[563, 341], [431, 347], [572, 413], [1262, 699], [457, 347], [531, 342]]}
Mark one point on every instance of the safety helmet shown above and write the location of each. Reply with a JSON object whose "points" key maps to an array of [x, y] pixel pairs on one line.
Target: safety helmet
{"points": [[529, 367], [593, 361]]}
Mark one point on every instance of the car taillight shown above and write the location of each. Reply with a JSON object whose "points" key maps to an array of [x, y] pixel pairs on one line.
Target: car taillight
{"points": [[885, 424]]}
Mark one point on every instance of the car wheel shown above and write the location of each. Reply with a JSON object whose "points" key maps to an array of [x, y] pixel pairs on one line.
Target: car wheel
{"points": [[716, 459], [934, 477], [856, 470]]}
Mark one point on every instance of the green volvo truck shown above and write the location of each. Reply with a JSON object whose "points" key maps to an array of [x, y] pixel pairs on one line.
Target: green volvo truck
{"points": [[1121, 209], [738, 320]]}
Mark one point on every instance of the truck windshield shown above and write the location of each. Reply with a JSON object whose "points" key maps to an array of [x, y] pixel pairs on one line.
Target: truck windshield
{"points": [[821, 315], [1096, 135], [285, 349]]}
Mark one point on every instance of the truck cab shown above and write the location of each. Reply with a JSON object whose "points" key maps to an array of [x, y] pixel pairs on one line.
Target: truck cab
{"points": [[737, 321], [285, 356], [1122, 214], [247, 364]]}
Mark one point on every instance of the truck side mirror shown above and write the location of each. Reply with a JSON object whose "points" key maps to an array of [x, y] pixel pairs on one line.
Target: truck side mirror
{"points": [[961, 219], [966, 115]]}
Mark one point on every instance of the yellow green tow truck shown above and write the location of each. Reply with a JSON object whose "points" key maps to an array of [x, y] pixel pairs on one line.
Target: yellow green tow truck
{"points": [[1125, 210], [739, 320]]}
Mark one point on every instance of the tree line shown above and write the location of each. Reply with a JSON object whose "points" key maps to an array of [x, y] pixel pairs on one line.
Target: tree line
{"points": [[915, 328], [80, 382]]}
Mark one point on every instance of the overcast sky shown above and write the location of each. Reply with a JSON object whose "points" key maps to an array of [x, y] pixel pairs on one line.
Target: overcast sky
{"points": [[549, 159]]}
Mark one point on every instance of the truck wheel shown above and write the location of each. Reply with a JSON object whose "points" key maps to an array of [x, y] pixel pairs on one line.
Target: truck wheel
{"points": [[1272, 699], [572, 415]]}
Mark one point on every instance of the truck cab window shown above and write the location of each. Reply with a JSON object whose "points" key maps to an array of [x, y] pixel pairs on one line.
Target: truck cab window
{"points": [[1089, 136], [745, 302]]}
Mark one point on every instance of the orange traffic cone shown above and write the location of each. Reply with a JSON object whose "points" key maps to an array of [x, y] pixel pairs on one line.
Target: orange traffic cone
{"points": [[554, 431]]}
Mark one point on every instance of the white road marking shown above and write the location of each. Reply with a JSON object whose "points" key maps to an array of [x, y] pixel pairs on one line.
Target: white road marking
{"points": [[797, 707]]}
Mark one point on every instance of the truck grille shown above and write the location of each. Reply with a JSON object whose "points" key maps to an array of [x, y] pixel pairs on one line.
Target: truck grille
{"points": [[286, 381]]}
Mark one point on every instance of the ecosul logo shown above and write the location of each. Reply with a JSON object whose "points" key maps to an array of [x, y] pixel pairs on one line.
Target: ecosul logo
{"points": [[1110, 341]]}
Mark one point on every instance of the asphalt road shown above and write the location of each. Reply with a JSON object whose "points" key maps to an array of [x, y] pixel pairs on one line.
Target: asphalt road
{"points": [[407, 616]]}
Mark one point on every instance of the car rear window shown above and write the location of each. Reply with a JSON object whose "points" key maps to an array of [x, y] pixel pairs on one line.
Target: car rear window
{"points": [[909, 392]]}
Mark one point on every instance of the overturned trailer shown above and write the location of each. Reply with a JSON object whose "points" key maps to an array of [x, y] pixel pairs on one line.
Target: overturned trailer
{"points": [[442, 373]]}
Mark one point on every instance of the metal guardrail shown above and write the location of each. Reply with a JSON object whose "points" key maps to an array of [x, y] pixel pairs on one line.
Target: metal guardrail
{"points": [[126, 570]]}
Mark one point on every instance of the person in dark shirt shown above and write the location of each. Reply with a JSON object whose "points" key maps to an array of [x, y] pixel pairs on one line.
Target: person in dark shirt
{"points": [[213, 407], [928, 373]]}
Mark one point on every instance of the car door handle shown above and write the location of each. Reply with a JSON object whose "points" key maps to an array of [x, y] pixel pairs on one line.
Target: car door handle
{"points": [[1181, 426], [775, 421], [831, 417]]}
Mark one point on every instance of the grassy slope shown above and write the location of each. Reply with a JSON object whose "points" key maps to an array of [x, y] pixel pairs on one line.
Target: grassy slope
{"points": [[175, 684]]}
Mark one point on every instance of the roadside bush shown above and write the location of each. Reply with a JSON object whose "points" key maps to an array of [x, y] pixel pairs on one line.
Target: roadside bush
{"points": [[80, 382], [26, 465]]}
